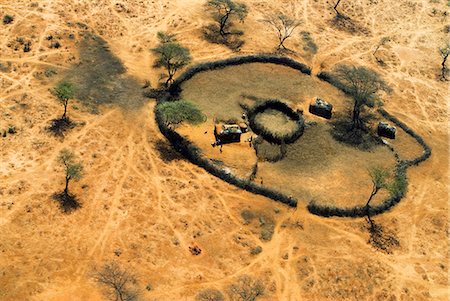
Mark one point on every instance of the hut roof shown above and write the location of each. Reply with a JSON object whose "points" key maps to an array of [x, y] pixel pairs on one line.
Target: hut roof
{"points": [[228, 129], [320, 103]]}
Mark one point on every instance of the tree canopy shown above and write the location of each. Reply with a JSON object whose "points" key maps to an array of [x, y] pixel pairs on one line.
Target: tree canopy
{"points": [[363, 84], [170, 55], [73, 170], [177, 112], [283, 25], [224, 11], [64, 91]]}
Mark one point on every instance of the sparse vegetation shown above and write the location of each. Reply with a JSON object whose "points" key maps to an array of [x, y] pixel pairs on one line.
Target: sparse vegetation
{"points": [[171, 55], [177, 112], [245, 289], [224, 12], [210, 294], [309, 44], [118, 283], [383, 41], [284, 27], [8, 19], [444, 52]]}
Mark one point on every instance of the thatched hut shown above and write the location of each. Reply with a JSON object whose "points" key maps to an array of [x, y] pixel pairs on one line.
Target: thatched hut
{"points": [[227, 133], [320, 108], [386, 130]]}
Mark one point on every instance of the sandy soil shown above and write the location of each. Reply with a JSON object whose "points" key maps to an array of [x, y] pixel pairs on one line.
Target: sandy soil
{"points": [[142, 201]]}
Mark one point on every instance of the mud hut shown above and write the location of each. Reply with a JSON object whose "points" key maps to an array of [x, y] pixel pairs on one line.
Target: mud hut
{"points": [[227, 133], [386, 130], [321, 108]]}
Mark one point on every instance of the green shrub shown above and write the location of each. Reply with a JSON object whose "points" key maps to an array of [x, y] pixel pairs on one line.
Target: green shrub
{"points": [[8, 19]]}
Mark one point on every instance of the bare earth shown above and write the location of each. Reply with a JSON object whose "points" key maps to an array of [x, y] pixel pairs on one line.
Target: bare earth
{"points": [[140, 198]]}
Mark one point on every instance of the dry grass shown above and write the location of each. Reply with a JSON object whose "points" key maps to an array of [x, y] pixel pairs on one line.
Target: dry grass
{"points": [[316, 166], [276, 122], [153, 207]]}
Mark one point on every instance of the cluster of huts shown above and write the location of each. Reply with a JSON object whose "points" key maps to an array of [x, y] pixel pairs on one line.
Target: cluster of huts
{"points": [[324, 109], [230, 133]]}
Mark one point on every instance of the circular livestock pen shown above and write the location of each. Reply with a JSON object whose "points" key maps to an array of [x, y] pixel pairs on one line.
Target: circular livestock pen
{"points": [[271, 131]]}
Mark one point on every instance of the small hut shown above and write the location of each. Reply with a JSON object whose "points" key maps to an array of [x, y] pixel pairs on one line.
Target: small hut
{"points": [[386, 130], [320, 108], [227, 133]]}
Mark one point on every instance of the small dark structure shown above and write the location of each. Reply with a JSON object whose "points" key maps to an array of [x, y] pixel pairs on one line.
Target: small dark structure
{"points": [[321, 108], [227, 133], [386, 130]]}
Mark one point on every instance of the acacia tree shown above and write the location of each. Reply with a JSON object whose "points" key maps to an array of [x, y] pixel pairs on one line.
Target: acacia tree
{"points": [[223, 11], [363, 84], [444, 52], [284, 27], [382, 42], [73, 170], [378, 176], [171, 55], [245, 289], [174, 113], [380, 240], [118, 283], [64, 91]]}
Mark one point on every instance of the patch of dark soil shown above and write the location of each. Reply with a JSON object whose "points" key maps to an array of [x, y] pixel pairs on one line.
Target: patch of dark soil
{"points": [[67, 202], [345, 23], [60, 126], [266, 223], [100, 77]]}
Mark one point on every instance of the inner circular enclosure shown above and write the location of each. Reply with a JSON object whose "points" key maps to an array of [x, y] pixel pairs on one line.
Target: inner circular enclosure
{"points": [[276, 122]]}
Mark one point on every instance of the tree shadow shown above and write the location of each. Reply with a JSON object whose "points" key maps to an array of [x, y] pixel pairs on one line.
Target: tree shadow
{"points": [[343, 132], [232, 39], [67, 202], [166, 152], [59, 126], [382, 240], [345, 23]]}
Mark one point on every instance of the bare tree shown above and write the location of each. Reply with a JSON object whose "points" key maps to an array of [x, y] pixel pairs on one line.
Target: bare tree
{"points": [[335, 8], [382, 42], [444, 52], [245, 289], [224, 11], [284, 27], [118, 283]]}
